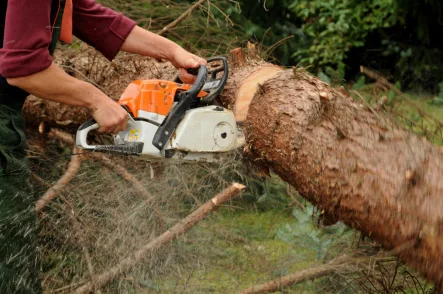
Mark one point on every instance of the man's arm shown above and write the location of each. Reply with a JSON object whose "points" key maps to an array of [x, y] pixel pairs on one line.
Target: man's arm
{"points": [[56, 85], [129, 38], [25, 63], [110, 32], [143, 42]]}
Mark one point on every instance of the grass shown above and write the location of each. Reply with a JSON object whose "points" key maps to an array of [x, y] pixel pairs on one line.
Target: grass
{"points": [[242, 249], [415, 112]]}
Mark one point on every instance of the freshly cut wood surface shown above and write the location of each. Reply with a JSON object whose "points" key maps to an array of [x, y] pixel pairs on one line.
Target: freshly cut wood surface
{"points": [[249, 87]]}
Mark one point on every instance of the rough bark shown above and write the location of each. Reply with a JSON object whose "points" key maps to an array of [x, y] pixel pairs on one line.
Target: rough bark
{"points": [[360, 169]]}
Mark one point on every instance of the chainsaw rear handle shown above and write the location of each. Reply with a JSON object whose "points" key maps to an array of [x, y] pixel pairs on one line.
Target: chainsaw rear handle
{"points": [[81, 139], [175, 115]]}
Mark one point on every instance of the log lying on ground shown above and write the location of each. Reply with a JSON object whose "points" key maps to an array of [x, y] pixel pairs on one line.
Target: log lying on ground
{"points": [[366, 172]]}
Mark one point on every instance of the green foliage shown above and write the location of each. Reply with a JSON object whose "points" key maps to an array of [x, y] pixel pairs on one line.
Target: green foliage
{"points": [[335, 27], [360, 83], [269, 22], [391, 36], [418, 67], [304, 232], [267, 193], [438, 100]]}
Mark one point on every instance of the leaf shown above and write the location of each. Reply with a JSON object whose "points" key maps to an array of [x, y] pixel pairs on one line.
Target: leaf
{"points": [[322, 76]]}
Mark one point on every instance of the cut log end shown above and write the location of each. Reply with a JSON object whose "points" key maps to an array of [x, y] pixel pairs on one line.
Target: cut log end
{"points": [[249, 87]]}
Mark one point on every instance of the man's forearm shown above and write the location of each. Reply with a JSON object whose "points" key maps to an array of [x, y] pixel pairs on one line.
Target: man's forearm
{"points": [[145, 43], [56, 85]]}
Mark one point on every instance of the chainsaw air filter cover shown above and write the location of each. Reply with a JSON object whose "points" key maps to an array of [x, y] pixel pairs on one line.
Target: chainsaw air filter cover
{"points": [[205, 129]]}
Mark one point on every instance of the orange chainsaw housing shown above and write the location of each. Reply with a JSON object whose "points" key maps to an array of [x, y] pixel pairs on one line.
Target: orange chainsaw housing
{"points": [[155, 96]]}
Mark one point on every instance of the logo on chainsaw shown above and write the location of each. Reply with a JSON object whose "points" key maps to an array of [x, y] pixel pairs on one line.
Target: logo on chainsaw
{"points": [[134, 135]]}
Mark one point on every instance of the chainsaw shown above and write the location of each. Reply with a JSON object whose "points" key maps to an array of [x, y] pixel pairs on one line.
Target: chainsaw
{"points": [[174, 120]]}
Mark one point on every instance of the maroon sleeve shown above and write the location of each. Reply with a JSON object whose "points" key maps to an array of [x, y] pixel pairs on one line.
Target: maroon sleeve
{"points": [[100, 27], [26, 39]]}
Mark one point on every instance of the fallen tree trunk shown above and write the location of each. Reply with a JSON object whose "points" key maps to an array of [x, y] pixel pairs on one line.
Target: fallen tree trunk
{"points": [[358, 168], [364, 171]]}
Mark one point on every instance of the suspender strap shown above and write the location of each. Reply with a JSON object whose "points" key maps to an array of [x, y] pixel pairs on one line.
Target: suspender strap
{"points": [[57, 26]]}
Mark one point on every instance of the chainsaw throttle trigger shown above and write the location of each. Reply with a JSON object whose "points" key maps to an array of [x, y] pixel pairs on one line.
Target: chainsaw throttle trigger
{"points": [[175, 115]]}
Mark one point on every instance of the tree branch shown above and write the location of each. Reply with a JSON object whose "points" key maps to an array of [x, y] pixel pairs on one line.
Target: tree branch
{"points": [[177, 230], [383, 81], [310, 274], [181, 18], [73, 167]]}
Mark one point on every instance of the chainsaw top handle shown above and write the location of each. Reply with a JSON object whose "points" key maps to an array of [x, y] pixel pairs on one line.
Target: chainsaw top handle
{"points": [[213, 86], [196, 86], [175, 115]]}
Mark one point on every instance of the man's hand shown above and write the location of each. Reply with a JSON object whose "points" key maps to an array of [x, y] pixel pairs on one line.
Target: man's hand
{"points": [[183, 60], [110, 116]]}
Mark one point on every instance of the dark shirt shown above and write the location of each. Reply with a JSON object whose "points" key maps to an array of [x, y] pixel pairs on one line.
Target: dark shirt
{"points": [[28, 33]]}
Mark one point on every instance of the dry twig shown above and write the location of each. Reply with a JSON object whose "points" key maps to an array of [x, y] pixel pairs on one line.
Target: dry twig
{"points": [[123, 173], [180, 18], [73, 167], [308, 274], [177, 230]]}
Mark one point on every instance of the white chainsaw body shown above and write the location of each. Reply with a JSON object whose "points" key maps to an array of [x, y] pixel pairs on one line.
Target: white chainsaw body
{"points": [[201, 134]]}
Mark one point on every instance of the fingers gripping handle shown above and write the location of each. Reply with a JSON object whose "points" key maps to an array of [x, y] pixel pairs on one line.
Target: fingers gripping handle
{"points": [[82, 134]]}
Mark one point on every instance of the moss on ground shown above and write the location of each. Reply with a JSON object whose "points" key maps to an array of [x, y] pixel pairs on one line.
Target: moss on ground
{"points": [[242, 249]]}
